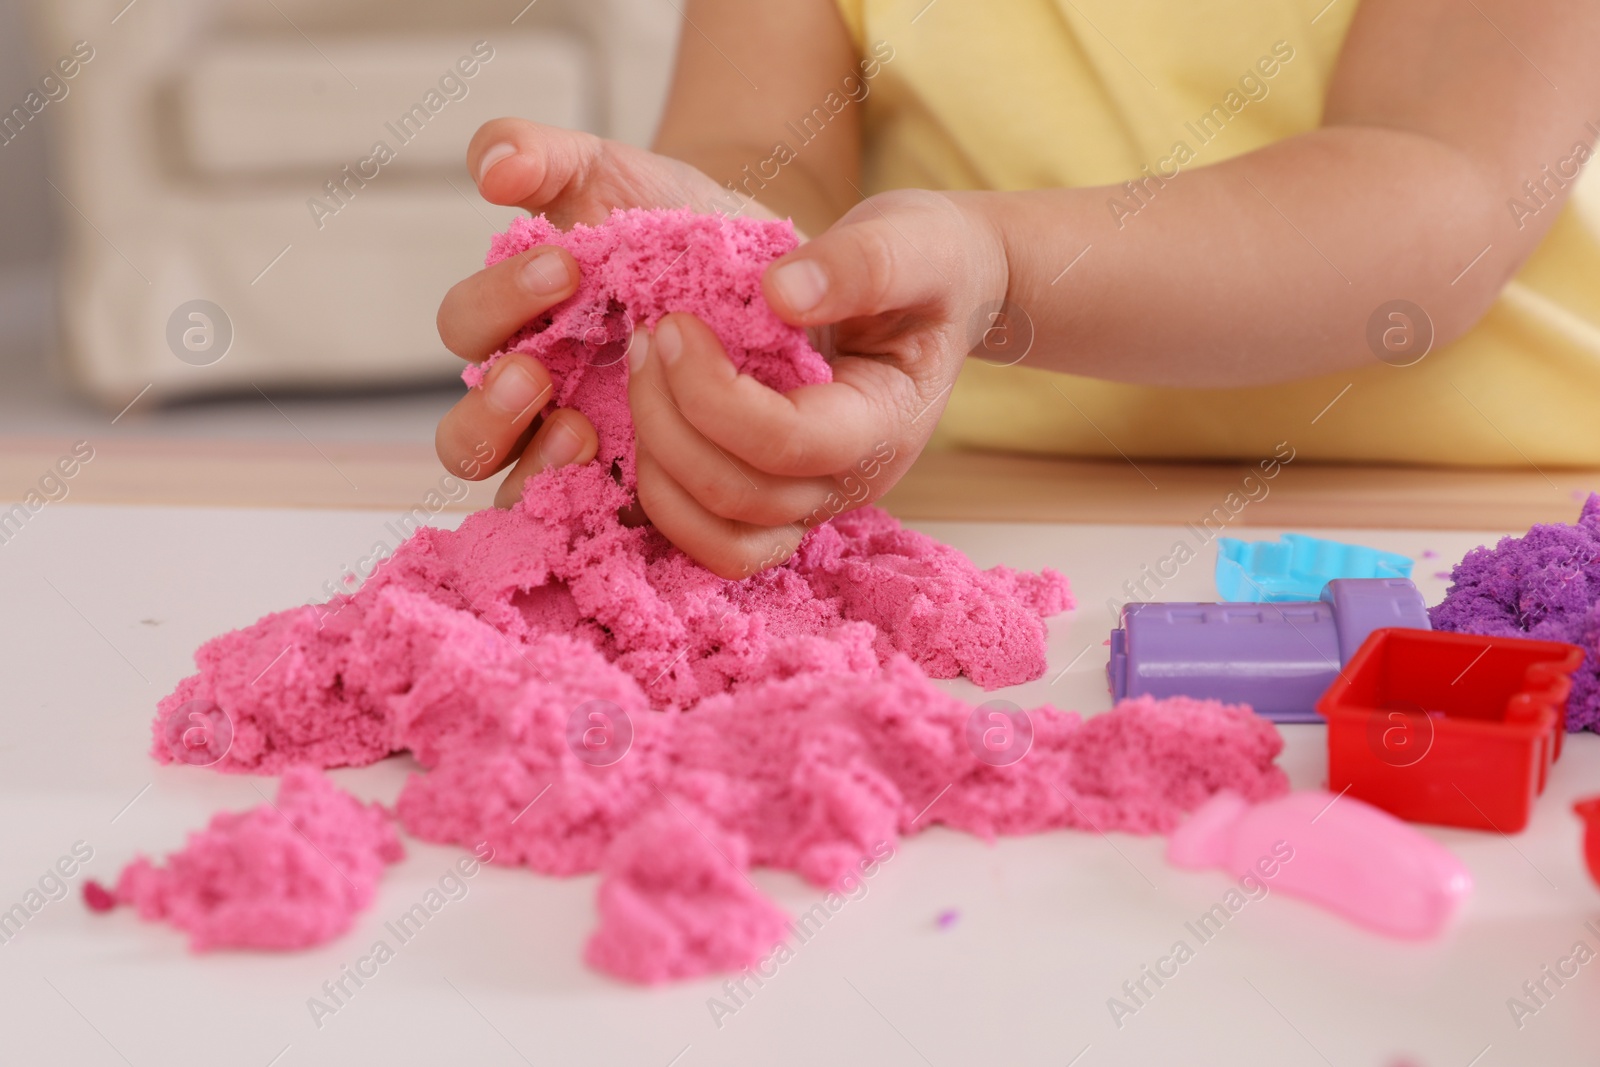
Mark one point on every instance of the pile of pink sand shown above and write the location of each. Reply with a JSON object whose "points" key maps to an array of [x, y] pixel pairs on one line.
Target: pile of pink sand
{"points": [[783, 721]]}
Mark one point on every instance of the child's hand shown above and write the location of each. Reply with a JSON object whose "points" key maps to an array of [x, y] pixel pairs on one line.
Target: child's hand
{"points": [[570, 177], [733, 472]]}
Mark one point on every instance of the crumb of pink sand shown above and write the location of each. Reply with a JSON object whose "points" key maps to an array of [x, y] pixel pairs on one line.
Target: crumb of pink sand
{"points": [[285, 874], [97, 897]]}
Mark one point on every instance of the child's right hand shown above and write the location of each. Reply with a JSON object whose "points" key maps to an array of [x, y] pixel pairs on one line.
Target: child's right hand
{"points": [[570, 177]]}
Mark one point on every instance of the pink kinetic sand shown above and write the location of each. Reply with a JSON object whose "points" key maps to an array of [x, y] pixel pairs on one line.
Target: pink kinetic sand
{"points": [[582, 696], [287, 874], [637, 267]]}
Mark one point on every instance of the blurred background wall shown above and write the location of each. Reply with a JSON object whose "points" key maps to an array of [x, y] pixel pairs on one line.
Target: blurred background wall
{"points": [[25, 210], [27, 217], [164, 195]]}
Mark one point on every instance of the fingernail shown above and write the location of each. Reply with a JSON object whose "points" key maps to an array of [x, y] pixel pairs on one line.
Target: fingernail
{"points": [[494, 155], [638, 350], [560, 446], [545, 273], [669, 341], [514, 390], [802, 284]]}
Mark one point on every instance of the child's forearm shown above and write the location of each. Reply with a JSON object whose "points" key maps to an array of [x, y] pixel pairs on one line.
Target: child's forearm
{"points": [[748, 76], [1272, 265], [1263, 268]]}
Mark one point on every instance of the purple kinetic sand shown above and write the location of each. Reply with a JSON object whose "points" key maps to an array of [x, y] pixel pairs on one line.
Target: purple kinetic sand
{"points": [[1544, 585]]}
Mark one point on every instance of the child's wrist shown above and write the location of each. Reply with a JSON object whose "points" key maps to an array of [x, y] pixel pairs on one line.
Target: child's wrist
{"points": [[988, 290], [990, 254]]}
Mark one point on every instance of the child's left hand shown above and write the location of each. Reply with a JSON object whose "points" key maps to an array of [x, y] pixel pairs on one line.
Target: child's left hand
{"points": [[733, 472]]}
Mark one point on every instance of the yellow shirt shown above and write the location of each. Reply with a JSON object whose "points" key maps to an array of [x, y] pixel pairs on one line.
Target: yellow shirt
{"points": [[1024, 94]]}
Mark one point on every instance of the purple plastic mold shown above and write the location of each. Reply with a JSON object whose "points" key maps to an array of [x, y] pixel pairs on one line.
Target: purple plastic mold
{"points": [[1278, 658]]}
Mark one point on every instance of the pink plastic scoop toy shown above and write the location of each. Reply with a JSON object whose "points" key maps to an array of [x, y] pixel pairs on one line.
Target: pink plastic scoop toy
{"points": [[1336, 852]]}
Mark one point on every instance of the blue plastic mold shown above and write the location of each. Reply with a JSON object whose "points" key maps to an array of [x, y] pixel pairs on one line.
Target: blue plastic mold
{"points": [[1297, 567]]}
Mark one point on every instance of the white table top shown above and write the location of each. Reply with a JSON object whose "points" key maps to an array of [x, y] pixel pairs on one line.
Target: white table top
{"points": [[106, 605]]}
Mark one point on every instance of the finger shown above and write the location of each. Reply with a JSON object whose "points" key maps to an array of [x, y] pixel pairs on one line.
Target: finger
{"points": [[486, 429], [571, 177], [812, 431], [720, 483], [727, 547], [567, 436], [481, 311], [867, 265], [522, 163]]}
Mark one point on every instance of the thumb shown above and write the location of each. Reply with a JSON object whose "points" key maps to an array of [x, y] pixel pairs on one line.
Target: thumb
{"points": [[866, 266], [524, 164]]}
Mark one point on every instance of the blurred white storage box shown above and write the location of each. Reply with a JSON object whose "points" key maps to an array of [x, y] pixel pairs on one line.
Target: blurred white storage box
{"points": [[286, 178]]}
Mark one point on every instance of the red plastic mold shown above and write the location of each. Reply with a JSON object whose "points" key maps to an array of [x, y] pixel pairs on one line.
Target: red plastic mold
{"points": [[1588, 809], [1449, 728]]}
